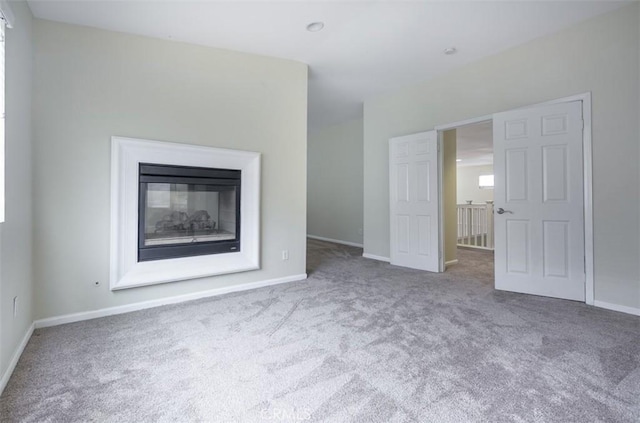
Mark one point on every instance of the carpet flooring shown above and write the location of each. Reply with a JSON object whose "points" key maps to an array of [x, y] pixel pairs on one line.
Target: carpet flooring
{"points": [[359, 341]]}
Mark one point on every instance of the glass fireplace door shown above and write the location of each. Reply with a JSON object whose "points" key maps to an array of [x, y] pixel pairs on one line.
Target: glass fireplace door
{"points": [[190, 211]]}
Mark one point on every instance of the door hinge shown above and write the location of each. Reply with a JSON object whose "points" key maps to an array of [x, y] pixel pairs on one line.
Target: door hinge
{"points": [[582, 124]]}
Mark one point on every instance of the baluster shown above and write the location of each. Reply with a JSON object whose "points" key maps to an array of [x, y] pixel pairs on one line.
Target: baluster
{"points": [[484, 226], [490, 225], [470, 225], [459, 214]]}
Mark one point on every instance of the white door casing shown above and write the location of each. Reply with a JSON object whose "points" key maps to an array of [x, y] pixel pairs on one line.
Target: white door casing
{"points": [[414, 205], [539, 239]]}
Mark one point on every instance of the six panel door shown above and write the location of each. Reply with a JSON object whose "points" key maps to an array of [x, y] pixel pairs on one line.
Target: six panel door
{"points": [[539, 221], [413, 186]]}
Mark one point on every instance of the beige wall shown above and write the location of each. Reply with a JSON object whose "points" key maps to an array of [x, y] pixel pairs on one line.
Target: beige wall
{"points": [[468, 184], [91, 84], [599, 55], [334, 185], [15, 232], [449, 195]]}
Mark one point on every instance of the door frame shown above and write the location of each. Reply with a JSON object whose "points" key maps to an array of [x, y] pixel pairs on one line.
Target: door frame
{"points": [[587, 169]]}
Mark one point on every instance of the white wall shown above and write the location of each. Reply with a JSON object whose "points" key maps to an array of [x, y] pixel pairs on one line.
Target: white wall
{"points": [[599, 55], [467, 179], [91, 84], [15, 233], [335, 185]]}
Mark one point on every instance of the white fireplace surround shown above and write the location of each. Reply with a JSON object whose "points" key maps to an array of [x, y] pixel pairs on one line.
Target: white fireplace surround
{"points": [[126, 155]]}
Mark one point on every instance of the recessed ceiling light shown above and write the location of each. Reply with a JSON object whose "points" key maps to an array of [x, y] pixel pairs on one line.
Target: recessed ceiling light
{"points": [[451, 50], [458, 160], [315, 26]]}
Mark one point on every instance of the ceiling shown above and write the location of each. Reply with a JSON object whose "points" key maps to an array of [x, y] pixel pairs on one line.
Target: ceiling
{"points": [[366, 49], [474, 144]]}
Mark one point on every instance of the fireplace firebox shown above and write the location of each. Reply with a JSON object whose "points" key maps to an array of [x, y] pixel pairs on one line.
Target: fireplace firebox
{"points": [[187, 211]]}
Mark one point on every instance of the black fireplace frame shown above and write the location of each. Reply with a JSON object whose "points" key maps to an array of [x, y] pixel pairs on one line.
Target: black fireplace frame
{"points": [[172, 174]]}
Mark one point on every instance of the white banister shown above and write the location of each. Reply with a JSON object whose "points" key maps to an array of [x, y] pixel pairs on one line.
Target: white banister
{"points": [[475, 225]]}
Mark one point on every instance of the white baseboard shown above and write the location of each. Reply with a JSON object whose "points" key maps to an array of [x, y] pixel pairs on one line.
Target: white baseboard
{"points": [[16, 356], [104, 312], [335, 241], [374, 257], [450, 263], [616, 307]]}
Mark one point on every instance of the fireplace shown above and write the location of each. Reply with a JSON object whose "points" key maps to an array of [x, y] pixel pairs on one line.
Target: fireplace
{"points": [[186, 211], [181, 212]]}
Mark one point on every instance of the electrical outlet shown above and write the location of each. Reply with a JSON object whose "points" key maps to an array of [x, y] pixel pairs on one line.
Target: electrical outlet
{"points": [[285, 254], [15, 306]]}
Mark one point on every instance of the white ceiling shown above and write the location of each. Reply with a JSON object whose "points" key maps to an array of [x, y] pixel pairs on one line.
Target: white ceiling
{"points": [[474, 145], [367, 48]]}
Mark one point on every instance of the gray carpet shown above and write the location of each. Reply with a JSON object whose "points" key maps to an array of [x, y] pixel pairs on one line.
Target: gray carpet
{"points": [[360, 341]]}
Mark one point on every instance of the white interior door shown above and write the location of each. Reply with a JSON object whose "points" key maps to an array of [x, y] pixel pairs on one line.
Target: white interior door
{"points": [[413, 186], [539, 220]]}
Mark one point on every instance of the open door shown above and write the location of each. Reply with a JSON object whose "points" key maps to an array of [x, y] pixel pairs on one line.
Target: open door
{"points": [[414, 208], [539, 201]]}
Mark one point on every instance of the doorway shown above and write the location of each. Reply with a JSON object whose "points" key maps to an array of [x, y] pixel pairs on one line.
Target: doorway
{"points": [[543, 198], [468, 194], [543, 220]]}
